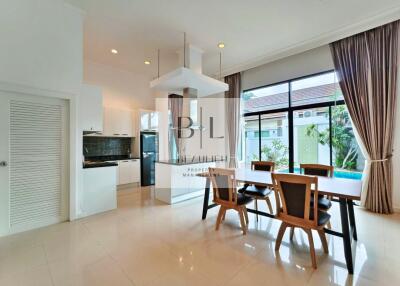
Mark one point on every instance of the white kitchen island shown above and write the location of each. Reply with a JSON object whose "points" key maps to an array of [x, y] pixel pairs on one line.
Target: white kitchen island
{"points": [[176, 181]]}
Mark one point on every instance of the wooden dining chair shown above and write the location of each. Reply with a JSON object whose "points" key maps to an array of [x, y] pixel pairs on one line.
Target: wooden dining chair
{"points": [[260, 192], [324, 203], [293, 202], [226, 195]]}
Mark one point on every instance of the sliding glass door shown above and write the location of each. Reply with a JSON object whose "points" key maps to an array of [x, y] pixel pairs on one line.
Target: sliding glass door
{"points": [[311, 135], [275, 139], [251, 140], [346, 154], [301, 121]]}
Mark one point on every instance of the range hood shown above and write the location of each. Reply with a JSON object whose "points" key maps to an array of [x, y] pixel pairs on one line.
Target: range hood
{"points": [[189, 76]]}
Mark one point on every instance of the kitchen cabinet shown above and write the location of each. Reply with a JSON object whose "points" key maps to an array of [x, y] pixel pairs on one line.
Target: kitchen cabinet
{"points": [[91, 108], [128, 171], [148, 120], [118, 122], [99, 190]]}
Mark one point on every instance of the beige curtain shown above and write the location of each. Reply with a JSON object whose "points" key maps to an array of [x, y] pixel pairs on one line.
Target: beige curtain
{"points": [[175, 103], [232, 116], [367, 66]]}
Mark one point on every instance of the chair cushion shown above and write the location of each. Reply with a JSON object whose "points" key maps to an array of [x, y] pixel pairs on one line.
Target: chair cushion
{"points": [[242, 199], [323, 203], [323, 217], [256, 191]]}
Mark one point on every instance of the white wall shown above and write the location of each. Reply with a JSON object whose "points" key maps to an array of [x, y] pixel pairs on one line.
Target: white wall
{"points": [[41, 54], [311, 62], [121, 89], [41, 44]]}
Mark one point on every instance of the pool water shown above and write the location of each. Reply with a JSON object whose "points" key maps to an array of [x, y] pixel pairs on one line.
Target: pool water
{"points": [[336, 174]]}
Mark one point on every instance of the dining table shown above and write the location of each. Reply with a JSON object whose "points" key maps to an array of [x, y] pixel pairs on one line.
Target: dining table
{"points": [[341, 190]]}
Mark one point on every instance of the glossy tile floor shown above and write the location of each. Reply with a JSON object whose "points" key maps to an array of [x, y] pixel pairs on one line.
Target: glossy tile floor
{"points": [[145, 242]]}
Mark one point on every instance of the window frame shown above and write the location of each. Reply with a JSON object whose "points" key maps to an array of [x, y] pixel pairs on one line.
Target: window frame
{"points": [[290, 110]]}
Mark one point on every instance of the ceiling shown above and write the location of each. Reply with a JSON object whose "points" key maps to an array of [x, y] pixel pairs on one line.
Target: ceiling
{"points": [[254, 32]]}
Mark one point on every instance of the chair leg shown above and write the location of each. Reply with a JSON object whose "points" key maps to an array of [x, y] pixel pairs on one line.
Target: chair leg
{"points": [[268, 201], [324, 242], [242, 221], [223, 215], [256, 206], [291, 233], [246, 216], [312, 249], [280, 236], [219, 217]]}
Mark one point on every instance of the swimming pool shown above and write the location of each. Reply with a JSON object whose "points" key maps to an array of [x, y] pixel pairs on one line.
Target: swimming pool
{"points": [[336, 174]]}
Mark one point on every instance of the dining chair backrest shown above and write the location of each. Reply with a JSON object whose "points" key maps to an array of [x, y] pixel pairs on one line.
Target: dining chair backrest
{"points": [[263, 166], [317, 170], [294, 193], [224, 185]]}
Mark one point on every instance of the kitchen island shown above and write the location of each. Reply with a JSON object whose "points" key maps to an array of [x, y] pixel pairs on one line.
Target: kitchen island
{"points": [[176, 180]]}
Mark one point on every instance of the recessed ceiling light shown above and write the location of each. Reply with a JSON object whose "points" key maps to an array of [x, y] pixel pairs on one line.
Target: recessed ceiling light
{"points": [[146, 62], [221, 45], [114, 51]]}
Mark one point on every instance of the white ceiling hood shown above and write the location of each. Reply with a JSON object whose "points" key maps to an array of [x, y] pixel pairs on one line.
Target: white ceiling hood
{"points": [[177, 80], [189, 77]]}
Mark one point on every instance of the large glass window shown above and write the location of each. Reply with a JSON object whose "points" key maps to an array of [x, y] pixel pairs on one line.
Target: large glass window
{"points": [[266, 98], [315, 89], [301, 121]]}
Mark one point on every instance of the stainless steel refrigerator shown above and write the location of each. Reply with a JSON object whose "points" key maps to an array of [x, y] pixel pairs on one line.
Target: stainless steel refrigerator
{"points": [[148, 156]]}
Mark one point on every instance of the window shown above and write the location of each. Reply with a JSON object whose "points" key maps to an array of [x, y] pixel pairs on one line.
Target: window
{"points": [[266, 98], [315, 89], [301, 121]]}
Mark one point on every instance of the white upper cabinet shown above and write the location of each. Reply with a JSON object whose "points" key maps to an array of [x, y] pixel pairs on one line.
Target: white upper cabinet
{"points": [[118, 122], [148, 120], [91, 108]]}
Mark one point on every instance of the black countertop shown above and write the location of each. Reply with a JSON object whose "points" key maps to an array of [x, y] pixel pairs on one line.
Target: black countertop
{"points": [[105, 161], [87, 165], [188, 161], [109, 158]]}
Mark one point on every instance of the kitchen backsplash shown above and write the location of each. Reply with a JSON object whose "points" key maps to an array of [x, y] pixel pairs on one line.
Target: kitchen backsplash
{"points": [[106, 146]]}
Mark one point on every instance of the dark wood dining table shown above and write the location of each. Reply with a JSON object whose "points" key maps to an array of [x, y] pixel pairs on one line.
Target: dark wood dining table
{"points": [[344, 191]]}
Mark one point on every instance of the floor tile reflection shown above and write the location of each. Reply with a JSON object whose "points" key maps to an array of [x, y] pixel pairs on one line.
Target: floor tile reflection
{"points": [[145, 242]]}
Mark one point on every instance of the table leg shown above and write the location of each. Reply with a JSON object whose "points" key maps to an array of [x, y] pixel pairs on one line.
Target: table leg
{"points": [[346, 234], [206, 198], [353, 228]]}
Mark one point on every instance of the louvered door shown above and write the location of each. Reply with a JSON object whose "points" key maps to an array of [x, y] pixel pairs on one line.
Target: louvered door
{"points": [[37, 130]]}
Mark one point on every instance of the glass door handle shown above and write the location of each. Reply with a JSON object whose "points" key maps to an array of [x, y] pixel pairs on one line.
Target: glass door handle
{"points": [[3, 164]]}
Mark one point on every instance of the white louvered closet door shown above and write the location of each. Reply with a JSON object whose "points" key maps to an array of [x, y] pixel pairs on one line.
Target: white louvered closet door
{"points": [[37, 161]]}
